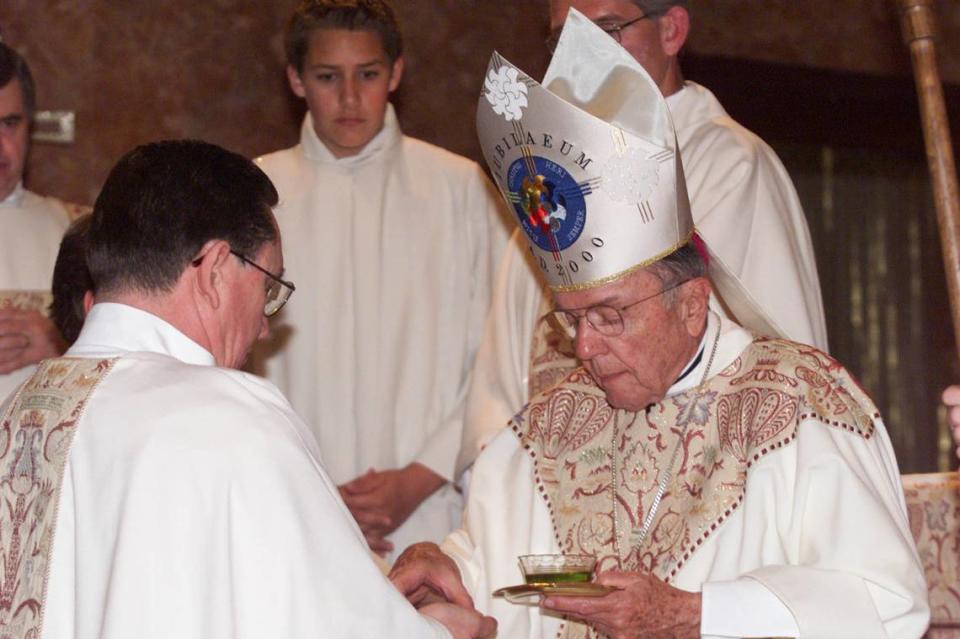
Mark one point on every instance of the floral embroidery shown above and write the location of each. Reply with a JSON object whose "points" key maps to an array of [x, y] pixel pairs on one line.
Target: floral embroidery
{"points": [[933, 506], [551, 358], [751, 409], [40, 422], [26, 300]]}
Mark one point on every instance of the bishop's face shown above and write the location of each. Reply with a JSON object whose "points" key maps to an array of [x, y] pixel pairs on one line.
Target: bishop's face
{"points": [[637, 367], [14, 130], [346, 80], [641, 39]]}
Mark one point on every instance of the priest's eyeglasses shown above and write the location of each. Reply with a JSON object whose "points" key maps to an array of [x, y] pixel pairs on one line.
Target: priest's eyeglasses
{"points": [[606, 320], [613, 30], [278, 292]]}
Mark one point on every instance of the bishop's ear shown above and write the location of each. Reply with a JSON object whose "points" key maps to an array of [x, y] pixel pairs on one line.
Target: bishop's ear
{"points": [[209, 278], [694, 303]]}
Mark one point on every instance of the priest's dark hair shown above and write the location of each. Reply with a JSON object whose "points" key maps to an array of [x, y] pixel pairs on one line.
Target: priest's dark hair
{"points": [[71, 280], [163, 201], [13, 66], [351, 15]]}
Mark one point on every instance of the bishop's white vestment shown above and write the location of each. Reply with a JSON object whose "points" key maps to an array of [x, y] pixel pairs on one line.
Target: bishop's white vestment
{"points": [[393, 253], [31, 226], [784, 506], [193, 502], [745, 207]]}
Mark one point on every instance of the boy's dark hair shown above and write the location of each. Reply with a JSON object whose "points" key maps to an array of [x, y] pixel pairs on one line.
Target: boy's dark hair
{"points": [[163, 201], [351, 15]]}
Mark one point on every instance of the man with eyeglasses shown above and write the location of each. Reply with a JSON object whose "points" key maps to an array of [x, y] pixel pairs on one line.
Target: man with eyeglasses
{"points": [[729, 483], [152, 490], [743, 204]]}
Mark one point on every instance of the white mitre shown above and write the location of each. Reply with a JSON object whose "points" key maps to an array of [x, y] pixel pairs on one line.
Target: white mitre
{"points": [[589, 162]]}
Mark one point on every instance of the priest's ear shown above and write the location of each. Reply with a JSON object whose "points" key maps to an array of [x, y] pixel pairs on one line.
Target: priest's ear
{"points": [[674, 28], [209, 279]]}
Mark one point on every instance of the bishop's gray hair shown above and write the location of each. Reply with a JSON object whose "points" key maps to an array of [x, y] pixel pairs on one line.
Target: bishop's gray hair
{"points": [[686, 263]]}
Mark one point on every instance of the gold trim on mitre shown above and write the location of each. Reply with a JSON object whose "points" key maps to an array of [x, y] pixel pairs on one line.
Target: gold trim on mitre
{"points": [[616, 276]]}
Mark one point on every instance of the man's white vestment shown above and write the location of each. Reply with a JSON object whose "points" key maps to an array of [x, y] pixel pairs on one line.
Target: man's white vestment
{"points": [[194, 504], [393, 252], [745, 207], [31, 226], [785, 507]]}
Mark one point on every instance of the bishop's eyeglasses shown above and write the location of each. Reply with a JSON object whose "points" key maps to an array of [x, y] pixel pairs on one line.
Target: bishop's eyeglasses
{"points": [[278, 292], [606, 320], [614, 30]]}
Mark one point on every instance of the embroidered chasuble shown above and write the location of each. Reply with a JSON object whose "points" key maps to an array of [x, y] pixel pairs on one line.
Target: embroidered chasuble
{"points": [[552, 357], [752, 408], [36, 431], [26, 300]]}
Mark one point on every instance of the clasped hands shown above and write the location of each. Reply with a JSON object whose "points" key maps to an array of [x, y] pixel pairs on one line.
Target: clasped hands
{"points": [[641, 605], [381, 500], [26, 337], [431, 581]]}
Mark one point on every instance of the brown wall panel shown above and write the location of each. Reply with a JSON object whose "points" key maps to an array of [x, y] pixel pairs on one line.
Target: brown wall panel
{"points": [[138, 71]]}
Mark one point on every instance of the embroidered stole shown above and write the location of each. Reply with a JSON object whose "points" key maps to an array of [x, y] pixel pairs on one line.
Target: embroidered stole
{"points": [[552, 356], [744, 412], [35, 436]]}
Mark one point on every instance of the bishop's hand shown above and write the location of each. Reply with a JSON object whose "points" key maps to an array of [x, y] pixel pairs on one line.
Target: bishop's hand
{"points": [[643, 607]]}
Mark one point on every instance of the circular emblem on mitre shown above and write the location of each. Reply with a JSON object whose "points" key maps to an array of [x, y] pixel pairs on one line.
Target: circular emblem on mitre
{"points": [[587, 160], [550, 205]]}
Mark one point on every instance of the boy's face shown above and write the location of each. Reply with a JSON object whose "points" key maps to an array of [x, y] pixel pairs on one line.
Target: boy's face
{"points": [[346, 80]]}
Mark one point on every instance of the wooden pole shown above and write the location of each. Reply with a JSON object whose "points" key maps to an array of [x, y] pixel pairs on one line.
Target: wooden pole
{"points": [[918, 24]]}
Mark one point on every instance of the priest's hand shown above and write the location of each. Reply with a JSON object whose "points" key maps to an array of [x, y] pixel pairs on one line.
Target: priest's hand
{"points": [[462, 623], [26, 337], [424, 575], [381, 501], [643, 607], [951, 397]]}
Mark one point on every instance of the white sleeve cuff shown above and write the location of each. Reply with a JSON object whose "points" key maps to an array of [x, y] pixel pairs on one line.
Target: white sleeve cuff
{"points": [[744, 608]]}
